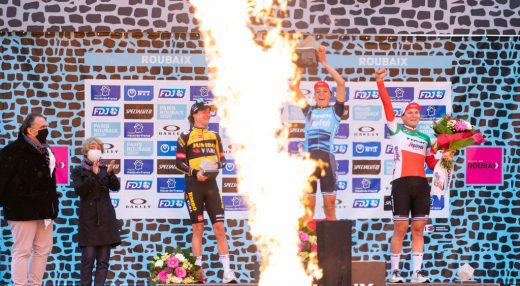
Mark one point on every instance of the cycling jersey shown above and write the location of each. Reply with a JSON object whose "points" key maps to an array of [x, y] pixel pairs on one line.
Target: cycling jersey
{"points": [[196, 145], [411, 147], [321, 125]]}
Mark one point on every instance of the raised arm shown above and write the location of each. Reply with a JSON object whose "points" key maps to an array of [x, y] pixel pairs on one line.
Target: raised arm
{"points": [[341, 94], [385, 98]]}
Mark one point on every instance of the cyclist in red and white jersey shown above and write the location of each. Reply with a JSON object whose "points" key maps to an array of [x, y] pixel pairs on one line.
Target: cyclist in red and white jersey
{"points": [[410, 189]]}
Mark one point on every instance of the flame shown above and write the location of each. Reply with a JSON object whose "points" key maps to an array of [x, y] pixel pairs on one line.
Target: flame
{"points": [[251, 84]]}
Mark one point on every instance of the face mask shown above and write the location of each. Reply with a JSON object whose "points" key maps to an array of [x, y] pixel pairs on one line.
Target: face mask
{"points": [[94, 155], [42, 135]]}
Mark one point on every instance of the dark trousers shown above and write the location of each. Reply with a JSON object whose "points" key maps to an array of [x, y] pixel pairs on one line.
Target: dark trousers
{"points": [[101, 254]]}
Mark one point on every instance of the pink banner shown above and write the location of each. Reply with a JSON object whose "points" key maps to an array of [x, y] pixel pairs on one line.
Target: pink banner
{"points": [[62, 164], [484, 166]]}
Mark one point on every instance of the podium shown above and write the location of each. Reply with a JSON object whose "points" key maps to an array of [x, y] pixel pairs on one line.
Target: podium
{"points": [[335, 252]]}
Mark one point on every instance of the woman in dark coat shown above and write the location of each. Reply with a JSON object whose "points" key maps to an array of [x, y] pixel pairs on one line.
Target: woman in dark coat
{"points": [[98, 230]]}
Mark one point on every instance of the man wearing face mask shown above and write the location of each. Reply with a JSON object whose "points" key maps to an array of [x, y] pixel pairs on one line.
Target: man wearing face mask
{"points": [[29, 198]]}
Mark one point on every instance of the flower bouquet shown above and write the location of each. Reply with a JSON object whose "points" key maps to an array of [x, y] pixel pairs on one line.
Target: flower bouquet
{"points": [[175, 267], [308, 248], [452, 134]]}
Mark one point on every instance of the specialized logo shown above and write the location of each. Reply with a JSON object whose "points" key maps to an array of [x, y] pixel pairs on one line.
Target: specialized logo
{"points": [[366, 94], [198, 91], [115, 203], [437, 203], [234, 203], [366, 167], [106, 129], [366, 131], [172, 111], [367, 113], [170, 203], [167, 167], [134, 185], [172, 92], [436, 94], [366, 149], [432, 112], [138, 148], [105, 92], [388, 203], [296, 130], [138, 93], [341, 185], [230, 168], [400, 94], [166, 148], [138, 129], [342, 131], [366, 185], [171, 185], [138, 203], [138, 111], [342, 167], [105, 111], [339, 148], [229, 185], [138, 166], [365, 203]]}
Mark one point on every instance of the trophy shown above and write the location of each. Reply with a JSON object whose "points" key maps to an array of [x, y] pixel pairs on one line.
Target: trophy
{"points": [[306, 52], [209, 168]]}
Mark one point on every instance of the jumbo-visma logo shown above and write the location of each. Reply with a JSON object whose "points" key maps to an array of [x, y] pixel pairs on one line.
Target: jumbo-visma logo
{"points": [[138, 166], [136, 185], [105, 111], [167, 148], [366, 149], [105, 92], [138, 93], [171, 185]]}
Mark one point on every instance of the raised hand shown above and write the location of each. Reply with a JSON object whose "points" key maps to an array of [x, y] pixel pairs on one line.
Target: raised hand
{"points": [[380, 74], [95, 167], [321, 53], [110, 169]]}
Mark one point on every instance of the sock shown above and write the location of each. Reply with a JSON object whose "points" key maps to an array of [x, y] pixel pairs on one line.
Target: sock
{"points": [[225, 262], [198, 262], [394, 260], [417, 261]]}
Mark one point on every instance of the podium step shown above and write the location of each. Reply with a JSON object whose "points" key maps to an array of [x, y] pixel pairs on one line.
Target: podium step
{"points": [[210, 284]]}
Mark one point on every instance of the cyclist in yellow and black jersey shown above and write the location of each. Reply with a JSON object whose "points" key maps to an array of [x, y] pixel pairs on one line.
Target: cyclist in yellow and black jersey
{"points": [[202, 192]]}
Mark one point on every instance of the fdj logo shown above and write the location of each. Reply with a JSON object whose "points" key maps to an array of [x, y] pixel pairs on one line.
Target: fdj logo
{"points": [[138, 185], [432, 94], [437, 203], [166, 148], [365, 203], [105, 111], [172, 92], [366, 94], [170, 203], [340, 148]]}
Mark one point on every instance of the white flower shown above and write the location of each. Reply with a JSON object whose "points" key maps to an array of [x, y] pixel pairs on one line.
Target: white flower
{"points": [[176, 280], [159, 263], [180, 256], [468, 125]]}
